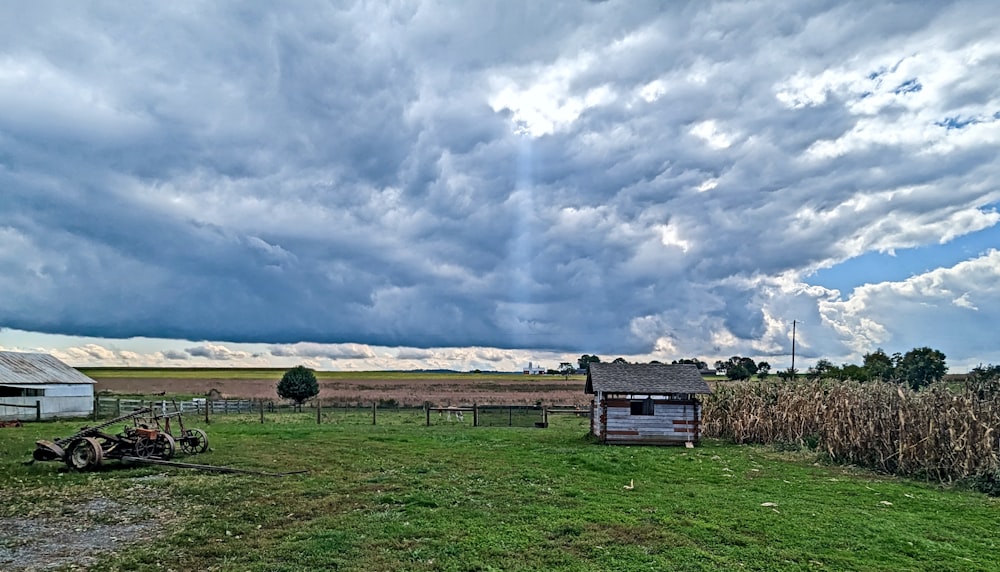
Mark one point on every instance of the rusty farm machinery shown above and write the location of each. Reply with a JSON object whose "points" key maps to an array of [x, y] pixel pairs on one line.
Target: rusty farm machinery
{"points": [[148, 437]]}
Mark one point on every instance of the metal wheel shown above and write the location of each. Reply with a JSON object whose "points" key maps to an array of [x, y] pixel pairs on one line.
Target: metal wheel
{"points": [[165, 446], [144, 447], [48, 451], [85, 454], [196, 441]]}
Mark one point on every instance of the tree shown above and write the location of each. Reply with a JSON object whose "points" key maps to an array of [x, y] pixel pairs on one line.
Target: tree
{"points": [[855, 372], [984, 381], [763, 368], [788, 374], [879, 366], [920, 367], [823, 368], [585, 361], [298, 384], [697, 362], [566, 368], [619, 360], [739, 368]]}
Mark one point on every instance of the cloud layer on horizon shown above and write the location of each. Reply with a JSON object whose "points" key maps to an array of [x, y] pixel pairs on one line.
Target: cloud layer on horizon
{"points": [[580, 177]]}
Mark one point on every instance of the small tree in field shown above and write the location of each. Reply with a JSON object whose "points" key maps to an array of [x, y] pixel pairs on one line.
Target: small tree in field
{"points": [[566, 369], [298, 384]]}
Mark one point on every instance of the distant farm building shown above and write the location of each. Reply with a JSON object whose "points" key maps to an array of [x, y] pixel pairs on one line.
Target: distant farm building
{"points": [[646, 404], [28, 379], [532, 369]]}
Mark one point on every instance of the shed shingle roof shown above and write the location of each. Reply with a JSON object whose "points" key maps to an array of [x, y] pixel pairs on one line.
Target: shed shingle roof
{"points": [[30, 369], [648, 378]]}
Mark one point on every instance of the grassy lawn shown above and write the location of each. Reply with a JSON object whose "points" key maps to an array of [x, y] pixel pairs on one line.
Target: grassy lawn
{"points": [[402, 496]]}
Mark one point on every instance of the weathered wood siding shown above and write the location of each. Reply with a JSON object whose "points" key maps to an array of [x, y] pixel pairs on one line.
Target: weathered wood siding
{"points": [[673, 422]]}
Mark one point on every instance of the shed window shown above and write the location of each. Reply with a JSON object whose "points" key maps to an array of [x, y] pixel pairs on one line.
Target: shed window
{"points": [[644, 407], [8, 391]]}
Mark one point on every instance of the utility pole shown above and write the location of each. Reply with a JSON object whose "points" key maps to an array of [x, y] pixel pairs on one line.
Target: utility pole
{"points": [[793, 349]]}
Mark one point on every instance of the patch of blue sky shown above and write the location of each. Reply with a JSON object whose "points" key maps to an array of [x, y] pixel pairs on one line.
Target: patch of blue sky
{"points": [[908, 86], [878, 267]]}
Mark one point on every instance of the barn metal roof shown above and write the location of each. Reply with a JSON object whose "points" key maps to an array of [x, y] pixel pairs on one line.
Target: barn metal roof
{"points": [[645, 378], [34, 369]]}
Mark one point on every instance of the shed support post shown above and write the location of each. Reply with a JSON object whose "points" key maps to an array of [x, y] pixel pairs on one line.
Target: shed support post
{"points": [[697, 423], [38, 410]]}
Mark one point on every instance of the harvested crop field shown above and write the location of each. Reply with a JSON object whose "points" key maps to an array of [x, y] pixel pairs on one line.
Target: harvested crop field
{"points": [[441, 390]]}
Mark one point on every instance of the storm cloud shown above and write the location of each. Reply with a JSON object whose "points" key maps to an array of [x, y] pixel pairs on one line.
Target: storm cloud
{"points": [[615, 177]]}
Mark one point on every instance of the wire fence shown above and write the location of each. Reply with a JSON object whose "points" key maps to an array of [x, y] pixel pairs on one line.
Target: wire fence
{"points": [[378, 412]]}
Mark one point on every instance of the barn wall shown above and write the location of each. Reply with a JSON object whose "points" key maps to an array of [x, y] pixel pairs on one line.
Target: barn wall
{"points": [[74, 390], [75, 400], [673, 422]]}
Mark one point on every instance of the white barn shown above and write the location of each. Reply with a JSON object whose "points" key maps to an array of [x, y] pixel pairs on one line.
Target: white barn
{"points": [[533, 369], [646, 404], [29, 378]]}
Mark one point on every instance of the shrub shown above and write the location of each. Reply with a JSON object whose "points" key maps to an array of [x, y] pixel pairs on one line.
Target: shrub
{"points": [[298, 384]]}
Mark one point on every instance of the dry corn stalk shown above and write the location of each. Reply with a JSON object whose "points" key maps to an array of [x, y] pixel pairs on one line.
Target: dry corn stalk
{"points": [[936, 433]]}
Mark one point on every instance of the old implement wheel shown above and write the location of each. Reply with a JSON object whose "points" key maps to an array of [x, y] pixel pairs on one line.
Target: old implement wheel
{"points": [[85, 454], [48, 451], [144, 447], [196, 441], [165, 446]]}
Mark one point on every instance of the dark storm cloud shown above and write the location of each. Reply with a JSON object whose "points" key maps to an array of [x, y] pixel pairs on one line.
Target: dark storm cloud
{"points": [[613, 177]]}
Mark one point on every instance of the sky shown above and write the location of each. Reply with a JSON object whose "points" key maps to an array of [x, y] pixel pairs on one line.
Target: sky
{"points": [[476, 185]]}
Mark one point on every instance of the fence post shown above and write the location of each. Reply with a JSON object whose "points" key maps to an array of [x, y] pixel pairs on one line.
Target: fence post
{"points": [[118, 407], [545, 415], [261, 411], [208, 405], [510, 416], [374, 405], [475, 415], [427, 408], [38, 410], [97, 405], [318, 412]]}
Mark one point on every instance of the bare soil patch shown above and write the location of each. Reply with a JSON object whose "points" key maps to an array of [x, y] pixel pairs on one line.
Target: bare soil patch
{"points": [[72, 536], [442, 391]]}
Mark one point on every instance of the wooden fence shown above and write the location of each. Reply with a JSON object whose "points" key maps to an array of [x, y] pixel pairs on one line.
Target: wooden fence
{"points": [[37, 407], [113, 407], [479, 415]]}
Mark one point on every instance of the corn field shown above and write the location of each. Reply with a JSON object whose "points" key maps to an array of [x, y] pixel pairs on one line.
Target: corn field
{"points": [[937, 433]]}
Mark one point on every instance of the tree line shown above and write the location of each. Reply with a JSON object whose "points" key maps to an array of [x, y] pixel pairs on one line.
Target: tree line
{"points": [[916, 368]]}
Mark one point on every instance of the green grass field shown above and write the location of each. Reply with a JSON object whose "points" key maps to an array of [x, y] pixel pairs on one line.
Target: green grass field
{"points": [[402, 496]]}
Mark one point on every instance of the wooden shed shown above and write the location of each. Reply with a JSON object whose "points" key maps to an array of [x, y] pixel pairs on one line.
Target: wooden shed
{"points": [[40, 386], [646, 404]]}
